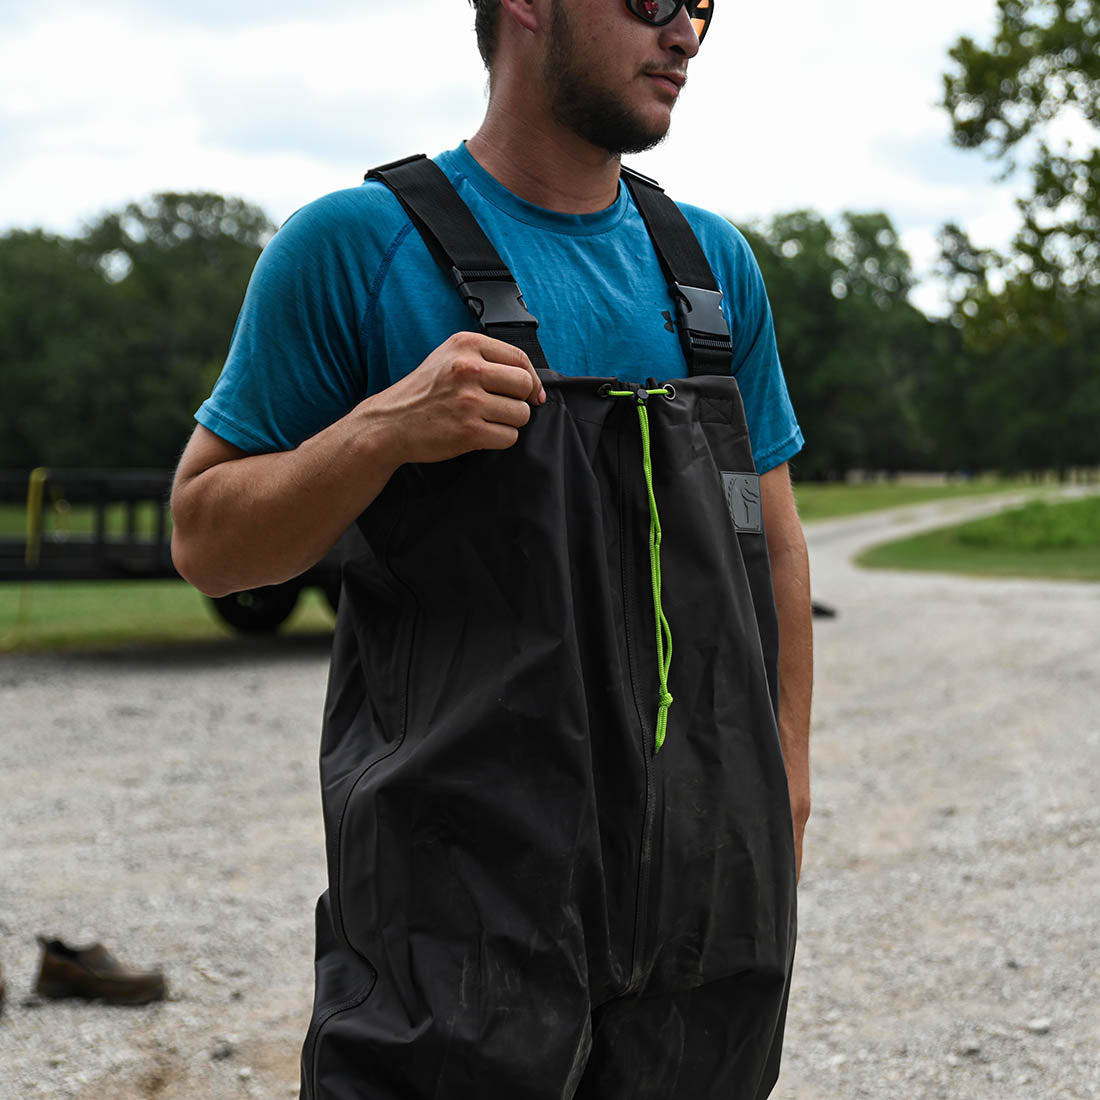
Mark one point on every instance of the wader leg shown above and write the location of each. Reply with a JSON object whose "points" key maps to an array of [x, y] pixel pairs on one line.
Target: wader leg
{"points": [[529, 1043], [721, 1041]]}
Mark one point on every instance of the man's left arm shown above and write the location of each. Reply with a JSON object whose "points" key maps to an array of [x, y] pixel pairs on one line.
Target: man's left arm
{"points": [[791, 582]]}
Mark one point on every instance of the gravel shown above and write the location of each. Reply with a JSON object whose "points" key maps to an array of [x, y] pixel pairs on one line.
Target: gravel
{"points": [[950, 900], [166, 802]]}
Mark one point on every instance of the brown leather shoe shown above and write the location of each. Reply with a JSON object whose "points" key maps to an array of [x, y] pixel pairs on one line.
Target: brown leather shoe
{"points": [[94, 973]]}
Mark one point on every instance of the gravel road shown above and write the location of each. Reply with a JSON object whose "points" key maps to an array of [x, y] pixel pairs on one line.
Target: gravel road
{"points": [[166, 802]]}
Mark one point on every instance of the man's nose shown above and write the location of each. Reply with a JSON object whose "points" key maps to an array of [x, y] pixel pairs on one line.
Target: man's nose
{"points": [[679, 35]]}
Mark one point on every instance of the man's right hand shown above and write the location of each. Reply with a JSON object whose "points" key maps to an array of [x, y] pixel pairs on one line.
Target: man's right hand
{"points": [[242, 521], [472, 393]]}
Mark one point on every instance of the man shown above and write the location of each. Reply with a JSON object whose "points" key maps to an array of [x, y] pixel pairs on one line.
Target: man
{"points": [[525, 900]]}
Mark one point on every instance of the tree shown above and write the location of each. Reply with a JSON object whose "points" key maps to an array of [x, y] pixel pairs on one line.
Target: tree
{"points": [[180, 263], [1031, 318], [1042, 65], [122, 329], [54, 328], [854, 349]]}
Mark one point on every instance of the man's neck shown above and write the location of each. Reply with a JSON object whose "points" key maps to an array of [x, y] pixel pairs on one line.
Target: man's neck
{"points": [[544, 163]]}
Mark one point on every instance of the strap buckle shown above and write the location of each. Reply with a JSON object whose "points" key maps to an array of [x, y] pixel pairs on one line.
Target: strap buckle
{"points": [[494, 301], [701, 314]]}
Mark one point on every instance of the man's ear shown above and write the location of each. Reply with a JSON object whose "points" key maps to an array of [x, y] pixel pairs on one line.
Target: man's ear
{"points": [[529, 14]]}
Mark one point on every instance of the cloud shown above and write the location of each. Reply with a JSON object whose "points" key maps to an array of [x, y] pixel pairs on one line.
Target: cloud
{"points": [[18, 138], [203, 14], [927, 157], [106, 102], [258, 111], [252, 94]]}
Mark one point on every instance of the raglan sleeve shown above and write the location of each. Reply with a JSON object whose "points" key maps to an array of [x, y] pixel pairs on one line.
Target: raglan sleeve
{"points": [[295, 363], [773, 427]]}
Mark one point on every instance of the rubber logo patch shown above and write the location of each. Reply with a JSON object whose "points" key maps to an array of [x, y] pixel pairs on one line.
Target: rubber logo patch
{"points": [[743, 501]]}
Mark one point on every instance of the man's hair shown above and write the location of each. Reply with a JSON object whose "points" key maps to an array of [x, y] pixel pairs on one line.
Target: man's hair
{"points": [[485, 28]]}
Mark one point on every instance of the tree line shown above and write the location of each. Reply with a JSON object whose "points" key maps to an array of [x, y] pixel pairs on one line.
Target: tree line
{"points": [[109, 340], [877, 385]]}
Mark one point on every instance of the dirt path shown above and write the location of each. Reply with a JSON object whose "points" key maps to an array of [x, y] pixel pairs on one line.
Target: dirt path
{"points": [[167, 803], [950, 903]]}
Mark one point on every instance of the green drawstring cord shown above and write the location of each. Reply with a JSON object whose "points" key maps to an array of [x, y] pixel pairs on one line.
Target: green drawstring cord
{"points": [[664, 632]]}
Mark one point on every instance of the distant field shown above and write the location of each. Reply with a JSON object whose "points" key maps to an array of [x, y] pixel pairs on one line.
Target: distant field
{"points": [[74, 615], [832, 501], [78, 520], [815, 501], [1040, 540], [112, 613]]}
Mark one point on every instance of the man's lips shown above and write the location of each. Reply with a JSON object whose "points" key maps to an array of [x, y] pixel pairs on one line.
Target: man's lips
{"points": [[674, 81]]}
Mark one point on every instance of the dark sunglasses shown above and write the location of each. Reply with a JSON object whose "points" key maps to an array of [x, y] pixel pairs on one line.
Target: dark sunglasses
{"points": [[659, 12]]}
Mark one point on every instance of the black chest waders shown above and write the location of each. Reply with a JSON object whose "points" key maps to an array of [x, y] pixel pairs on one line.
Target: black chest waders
{"points": [[560, 851]]}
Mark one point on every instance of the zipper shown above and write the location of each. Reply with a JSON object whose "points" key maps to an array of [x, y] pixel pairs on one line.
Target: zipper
{"points": [[662, 631], [645, 862], [663, 636], [645, 854]]}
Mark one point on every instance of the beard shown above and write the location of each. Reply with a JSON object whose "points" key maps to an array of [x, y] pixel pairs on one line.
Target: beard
{"points": [[578, 103]]}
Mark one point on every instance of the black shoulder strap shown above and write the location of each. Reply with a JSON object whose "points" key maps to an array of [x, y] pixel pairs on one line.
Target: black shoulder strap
{"points": [[461, 248], [704, 333]]}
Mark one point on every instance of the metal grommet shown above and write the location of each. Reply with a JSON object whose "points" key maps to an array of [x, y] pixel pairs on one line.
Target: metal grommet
{"points": [[670, 391], [604, 390]]}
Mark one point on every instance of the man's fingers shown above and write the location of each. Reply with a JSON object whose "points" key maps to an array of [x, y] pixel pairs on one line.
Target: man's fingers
{"points": [[505, 410], [497, 437], [512, 381], [538, 391], [500, 352]]}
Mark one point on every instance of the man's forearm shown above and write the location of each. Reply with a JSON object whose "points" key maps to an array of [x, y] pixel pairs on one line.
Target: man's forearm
{"points": [[249, 520], [246, 521], [791, 578], [791, 583]]}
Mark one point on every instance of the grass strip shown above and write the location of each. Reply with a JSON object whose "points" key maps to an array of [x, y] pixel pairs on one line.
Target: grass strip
{"points": [[60, 518], [105, 614], [1059, 541], [818, 500], [71, 615]]}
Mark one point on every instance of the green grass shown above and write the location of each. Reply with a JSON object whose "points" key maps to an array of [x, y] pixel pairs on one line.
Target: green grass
{"points": [[1040, 540], [834, 500], [78, 520], [815, 501], [107, 614]]}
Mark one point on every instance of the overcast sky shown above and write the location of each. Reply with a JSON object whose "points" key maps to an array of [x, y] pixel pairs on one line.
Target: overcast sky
{"points": [[824, 105]]}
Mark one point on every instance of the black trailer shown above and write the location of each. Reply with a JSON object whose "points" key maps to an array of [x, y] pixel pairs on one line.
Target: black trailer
{"points": [[130, 539]]}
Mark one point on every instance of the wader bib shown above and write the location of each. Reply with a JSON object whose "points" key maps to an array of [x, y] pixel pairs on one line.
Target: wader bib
{"points": [[559, 838]]}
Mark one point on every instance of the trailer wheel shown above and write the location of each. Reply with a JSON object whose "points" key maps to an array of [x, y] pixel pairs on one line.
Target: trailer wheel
{"points": [[258, 610]]}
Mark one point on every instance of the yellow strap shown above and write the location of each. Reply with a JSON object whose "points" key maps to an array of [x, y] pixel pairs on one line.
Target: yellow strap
{"points": [[36, 491]]}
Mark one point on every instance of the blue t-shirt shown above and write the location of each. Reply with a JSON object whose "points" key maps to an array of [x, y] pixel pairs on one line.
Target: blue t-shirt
{"points": [[346, 299]]}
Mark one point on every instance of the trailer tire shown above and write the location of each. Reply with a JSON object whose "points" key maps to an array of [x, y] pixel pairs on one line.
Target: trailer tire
{"points": [[258, 610]]}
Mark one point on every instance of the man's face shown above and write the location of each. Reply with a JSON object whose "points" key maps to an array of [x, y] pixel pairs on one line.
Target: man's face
{"points": [[615, 80]]}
